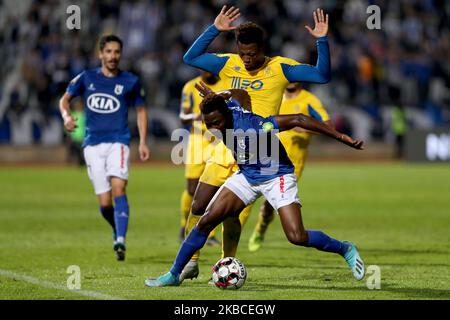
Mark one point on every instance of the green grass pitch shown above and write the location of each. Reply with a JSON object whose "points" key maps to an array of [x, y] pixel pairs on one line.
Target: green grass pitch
{"points": [[398, 215]]}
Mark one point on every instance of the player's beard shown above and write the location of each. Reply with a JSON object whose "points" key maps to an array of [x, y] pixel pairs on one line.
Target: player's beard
{"points": [[112, 65]]}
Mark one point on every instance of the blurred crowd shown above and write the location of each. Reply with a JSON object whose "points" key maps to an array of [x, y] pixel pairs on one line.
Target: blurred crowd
{"points": [[404, 63]]}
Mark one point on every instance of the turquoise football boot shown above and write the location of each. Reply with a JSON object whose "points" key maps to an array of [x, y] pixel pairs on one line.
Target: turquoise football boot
{"points": [[354, 261], [165, 280]]}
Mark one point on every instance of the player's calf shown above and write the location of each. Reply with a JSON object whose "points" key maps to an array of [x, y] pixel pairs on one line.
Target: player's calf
{"points": [[297, 237]]}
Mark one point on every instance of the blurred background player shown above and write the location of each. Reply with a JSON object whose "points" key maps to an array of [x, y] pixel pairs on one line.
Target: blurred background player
{"points": [[76, 136], [199, 149], [265, 79], [399, 123], [108, 93], [296, 142]]}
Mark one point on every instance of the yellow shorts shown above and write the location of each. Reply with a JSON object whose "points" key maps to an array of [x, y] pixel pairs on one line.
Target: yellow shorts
{"points": [[198, 152], [219, 167]]}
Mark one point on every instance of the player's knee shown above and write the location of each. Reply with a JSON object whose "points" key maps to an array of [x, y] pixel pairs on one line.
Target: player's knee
{"points": [[297, 237], [198, 208], [205, 224], [118, 191]]}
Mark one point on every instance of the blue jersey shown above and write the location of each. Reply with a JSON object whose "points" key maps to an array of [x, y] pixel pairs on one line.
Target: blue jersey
{"points": [[259, 153], [107, 100]]}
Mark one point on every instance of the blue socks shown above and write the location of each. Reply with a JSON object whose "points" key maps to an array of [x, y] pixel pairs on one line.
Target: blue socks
{"points": [[121, 214], [194, 241], [322, 242]]}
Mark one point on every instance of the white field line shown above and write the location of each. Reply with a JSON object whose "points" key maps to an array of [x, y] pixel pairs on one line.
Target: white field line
{"points": [[51, 285]]}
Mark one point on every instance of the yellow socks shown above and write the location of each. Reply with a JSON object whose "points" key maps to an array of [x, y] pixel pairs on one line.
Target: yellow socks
{"points": [[185, 206]]}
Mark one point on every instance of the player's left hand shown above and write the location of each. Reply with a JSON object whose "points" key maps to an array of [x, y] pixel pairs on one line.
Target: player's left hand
{"points": [[144, 152], [320, 24], [356, 144]]}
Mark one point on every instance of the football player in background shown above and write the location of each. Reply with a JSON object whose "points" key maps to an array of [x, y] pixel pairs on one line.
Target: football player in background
{"points": [[108, 93]]}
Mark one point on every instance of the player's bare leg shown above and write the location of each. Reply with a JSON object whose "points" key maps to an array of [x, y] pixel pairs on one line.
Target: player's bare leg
{"points": [[121, 215], [291, 220], [225, 204], [265, 217], [231, 230], [202, 196]]}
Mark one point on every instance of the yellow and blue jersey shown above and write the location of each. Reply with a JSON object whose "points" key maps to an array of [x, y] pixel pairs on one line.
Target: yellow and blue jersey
{"points": [[265, 85], [107, 100], [297, 143]]}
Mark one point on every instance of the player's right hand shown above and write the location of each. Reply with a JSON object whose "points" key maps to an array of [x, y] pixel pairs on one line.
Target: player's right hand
{"points": [[70, 123], [225, 18], [356, 144]]}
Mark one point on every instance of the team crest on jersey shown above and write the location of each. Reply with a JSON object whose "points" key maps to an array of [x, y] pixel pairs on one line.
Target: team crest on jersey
{"points": [[118, 89], [268, 72], [237, 68], [267, 126]]}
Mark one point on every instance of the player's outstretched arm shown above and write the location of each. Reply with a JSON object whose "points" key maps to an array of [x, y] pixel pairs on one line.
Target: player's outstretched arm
{"points": [[64, 108], [142, 123], [197, 56], [287, 122], [321, 72]]}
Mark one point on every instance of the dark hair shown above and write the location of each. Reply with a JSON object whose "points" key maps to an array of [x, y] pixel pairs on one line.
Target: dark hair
{"points": [[249, 32], [213, 102], [109, 38]]}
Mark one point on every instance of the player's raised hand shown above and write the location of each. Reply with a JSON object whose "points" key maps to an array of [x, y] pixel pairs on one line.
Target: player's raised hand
{"points": [[203, 89], [356, 144], [226, 17], [144, 152], [320, 24], [70, 122]]}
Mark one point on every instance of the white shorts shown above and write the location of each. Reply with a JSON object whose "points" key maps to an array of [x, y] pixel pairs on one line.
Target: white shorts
{"points": [[280, 191], [106, 160]]}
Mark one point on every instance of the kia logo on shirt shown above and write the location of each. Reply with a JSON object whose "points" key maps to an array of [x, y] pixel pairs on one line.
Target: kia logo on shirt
{"points": [[103, 103]]}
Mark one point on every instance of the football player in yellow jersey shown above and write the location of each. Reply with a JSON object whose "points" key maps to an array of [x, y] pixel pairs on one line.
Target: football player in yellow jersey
{"points": [[264, 78], [198, 149], [295, 141]]}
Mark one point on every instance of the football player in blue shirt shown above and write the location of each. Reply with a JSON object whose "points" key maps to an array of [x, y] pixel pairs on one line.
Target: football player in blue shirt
{"points": [[261, 172], [108, 93]]}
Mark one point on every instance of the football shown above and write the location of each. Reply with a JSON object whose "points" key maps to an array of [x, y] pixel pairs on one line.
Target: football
{"points": [[229, 273]]}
